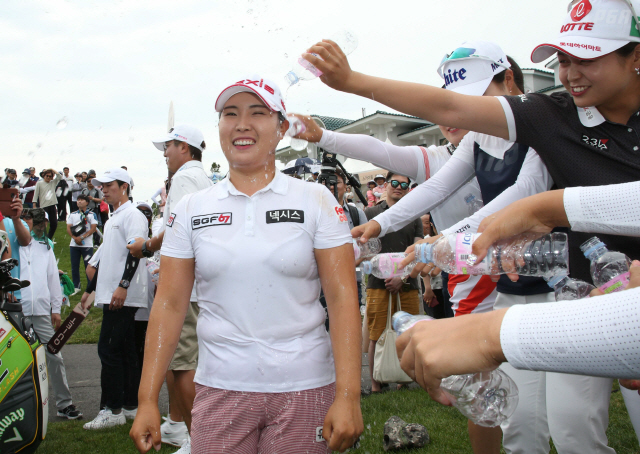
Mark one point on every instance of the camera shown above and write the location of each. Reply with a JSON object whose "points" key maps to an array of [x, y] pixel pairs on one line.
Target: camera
{"points": [[329, 178]]}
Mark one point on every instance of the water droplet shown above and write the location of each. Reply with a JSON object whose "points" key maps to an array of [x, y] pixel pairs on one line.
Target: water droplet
{"points": [[249, 11], [131, 139], [62, 123]]}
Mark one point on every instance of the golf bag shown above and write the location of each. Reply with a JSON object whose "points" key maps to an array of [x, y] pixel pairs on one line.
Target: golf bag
{"points": [[24, 385]]}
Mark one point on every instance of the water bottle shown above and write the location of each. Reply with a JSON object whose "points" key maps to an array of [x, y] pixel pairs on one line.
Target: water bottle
{"points": [[296, 126], [609, 269], [368, 249], [527, 254], [486, 398], [473, 203], [152, 265], [567, 289], [384, 266], [303, 70]]}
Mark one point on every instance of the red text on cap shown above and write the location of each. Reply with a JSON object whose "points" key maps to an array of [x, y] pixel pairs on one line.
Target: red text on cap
{"points": [[580, 10]]}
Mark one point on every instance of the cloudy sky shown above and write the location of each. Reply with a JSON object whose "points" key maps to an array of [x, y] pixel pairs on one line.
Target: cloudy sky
{"points": [[109, 69]]}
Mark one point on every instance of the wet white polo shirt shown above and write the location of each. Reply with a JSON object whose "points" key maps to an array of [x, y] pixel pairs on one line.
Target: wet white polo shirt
{"points": [[261, 326]]}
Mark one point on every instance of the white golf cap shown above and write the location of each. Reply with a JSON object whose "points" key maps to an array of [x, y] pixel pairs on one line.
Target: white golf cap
{"points": [[379, 176], [144, 205], [183, 133], [266, 90], [112, 175], [470, 68], [593, 28]]}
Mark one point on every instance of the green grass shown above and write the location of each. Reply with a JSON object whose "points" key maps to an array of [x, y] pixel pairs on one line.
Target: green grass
{"points": [[446, 426]]}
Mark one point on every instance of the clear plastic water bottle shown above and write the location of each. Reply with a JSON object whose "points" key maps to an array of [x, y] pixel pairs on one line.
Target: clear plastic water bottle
{"points": [[384, 266], [609, 269], [567, 289], [473, 203], [303, 70], [486, 398], [368, 249], [296, 126], [528, 254], [152, 265]]}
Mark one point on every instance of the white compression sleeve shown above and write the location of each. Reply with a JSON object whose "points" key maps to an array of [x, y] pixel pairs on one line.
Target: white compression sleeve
{"points": [[613, 209], [407, 161], [532, 179], [596, 336]]}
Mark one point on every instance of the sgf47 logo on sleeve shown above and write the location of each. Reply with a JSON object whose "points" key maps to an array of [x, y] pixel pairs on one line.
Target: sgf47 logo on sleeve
{"points": [[171, 219], [209, 220], [341, 215]]}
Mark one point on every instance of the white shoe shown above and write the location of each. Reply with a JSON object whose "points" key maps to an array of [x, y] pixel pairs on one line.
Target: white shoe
{"points": [[174, 433], [130, 414], [76, 290], [106, 419], [186, 447]]}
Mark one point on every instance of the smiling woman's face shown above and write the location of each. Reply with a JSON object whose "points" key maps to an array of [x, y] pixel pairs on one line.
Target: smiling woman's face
{"points": [[249, 132]]}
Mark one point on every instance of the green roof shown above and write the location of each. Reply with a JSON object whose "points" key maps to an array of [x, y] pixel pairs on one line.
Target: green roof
{"points": [[333, 123], [554, 87]]}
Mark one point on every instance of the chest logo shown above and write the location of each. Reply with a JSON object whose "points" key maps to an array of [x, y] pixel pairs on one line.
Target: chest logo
{"points": [[341, 215], [276, 216], [209, 220], [597, 143]]}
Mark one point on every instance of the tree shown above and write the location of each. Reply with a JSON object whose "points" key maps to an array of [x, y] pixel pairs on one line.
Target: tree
{"points": [[215, 167]]}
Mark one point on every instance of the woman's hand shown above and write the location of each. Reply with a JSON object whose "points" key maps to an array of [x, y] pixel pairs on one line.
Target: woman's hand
{"points": [[145, 431], [313, 132], [333, 63], [343, 422], [435, 349], [421, 268]]}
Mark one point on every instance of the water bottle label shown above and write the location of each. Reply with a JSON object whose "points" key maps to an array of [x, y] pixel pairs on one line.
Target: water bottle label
{"points": [[390, 265], [464, 241], [309, 67], [356, 249], [616, 284]]}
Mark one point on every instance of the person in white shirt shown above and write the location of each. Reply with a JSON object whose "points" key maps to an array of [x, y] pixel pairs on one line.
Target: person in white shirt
{"points": [[81, 225], [263, 345], [121, 289], [41, 301], [182, 147], [45, 197]]}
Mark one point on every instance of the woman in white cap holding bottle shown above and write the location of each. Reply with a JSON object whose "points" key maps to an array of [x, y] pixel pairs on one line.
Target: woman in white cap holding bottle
{"points": [[584, 137], [266, 378]]}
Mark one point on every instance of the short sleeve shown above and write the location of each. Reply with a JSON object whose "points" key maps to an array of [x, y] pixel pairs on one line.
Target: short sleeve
{"points": [[177, 233], [332, 227], [137, 226], [96, 257], [93, 220]]}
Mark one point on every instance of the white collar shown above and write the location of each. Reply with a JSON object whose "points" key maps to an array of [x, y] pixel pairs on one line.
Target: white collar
{"points": [[123, 206], [278, 185], [189, 164], [590, 116]]}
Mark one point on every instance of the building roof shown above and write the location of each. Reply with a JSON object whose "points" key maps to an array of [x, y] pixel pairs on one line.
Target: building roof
{"points": [[333, 123], [546, 71], [428, 125], [554, 87]]}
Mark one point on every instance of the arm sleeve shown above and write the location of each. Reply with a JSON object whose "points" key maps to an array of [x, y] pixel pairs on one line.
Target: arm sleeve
{"points": [[410, 161], [91, 286], [595, 336], [177, 234], [613, 209], [455, 173], [53, 278], [156, 194], [130, 267], [36, 193], [332, 225], [26, 190], [532, 179]]}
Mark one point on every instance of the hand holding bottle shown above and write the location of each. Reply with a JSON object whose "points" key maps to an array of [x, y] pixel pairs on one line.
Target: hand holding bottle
{"points": [[332, 62], [313, 132]]}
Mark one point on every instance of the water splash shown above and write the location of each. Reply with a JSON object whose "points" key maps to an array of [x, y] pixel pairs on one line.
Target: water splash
{"points": [[62, 123]]}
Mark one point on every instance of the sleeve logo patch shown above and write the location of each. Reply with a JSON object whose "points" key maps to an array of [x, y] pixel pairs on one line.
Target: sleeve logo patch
{"points": [[341, 215], [171, 219], [276, 216], [209, 220]]}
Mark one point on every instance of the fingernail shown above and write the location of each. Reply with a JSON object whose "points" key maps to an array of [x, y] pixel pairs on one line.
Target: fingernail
{"points": [[635, 263], [471, 260]]}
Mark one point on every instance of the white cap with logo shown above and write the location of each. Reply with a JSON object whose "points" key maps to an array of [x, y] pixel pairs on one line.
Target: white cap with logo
{"points": [[593, 28], [112, 175], [470, 68], [266, 90], [183, 133]]}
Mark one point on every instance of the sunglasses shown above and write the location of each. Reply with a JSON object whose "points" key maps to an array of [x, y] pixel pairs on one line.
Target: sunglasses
{"points": [[395, 183], [463, 53]]}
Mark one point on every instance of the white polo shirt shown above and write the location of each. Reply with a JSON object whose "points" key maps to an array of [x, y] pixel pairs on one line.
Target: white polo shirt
{"points": [[38, 266], [90, 219], [261, 326], [189, 178], [125, 224]]}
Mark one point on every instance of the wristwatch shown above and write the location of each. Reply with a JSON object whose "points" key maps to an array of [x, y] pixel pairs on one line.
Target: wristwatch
{"points": [[124, 284], [146, 252]]}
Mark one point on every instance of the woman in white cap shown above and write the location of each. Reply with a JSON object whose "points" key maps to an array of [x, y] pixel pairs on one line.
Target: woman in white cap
{"points": [[584, 137], [504, 171], [260, 245]]}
